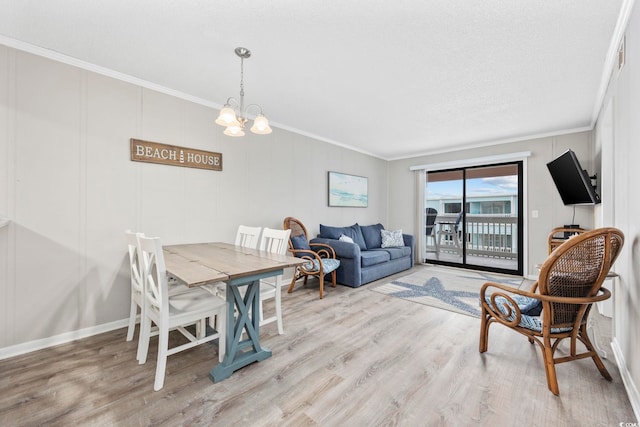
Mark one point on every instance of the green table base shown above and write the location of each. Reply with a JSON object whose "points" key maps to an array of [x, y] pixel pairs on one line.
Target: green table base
{"points": [[242, 352]]}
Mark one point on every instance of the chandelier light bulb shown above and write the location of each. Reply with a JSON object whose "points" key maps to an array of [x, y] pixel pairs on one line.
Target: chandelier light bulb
{"points": [[234, 131], [261, 125], [227, 117]]}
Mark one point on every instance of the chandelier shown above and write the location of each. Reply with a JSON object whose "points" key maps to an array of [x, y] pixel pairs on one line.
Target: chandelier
{"points": [[233, 115]]}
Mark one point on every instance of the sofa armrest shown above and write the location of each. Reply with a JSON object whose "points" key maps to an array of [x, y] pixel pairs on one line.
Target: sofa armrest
{"points": [[342, 249], [410, 241]]}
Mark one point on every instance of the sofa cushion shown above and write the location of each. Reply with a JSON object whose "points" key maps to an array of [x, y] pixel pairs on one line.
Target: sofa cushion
{"points": [[391, 238], [396, 253], [372, 236], [369, 258], [353, 231], [359, 238], [330, 232]]}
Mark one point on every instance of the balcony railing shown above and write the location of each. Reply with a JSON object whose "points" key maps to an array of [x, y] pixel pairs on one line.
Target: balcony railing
{"points": [[492, 236]]}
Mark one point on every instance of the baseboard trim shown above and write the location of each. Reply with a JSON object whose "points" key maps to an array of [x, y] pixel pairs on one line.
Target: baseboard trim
{"points": [[27, 347], [629, 385]]}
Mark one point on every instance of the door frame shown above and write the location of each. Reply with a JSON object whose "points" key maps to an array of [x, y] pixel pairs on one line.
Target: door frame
{"points": [[478, 161]]}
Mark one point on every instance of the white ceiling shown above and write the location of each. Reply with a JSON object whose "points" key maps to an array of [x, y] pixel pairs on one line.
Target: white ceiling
{"points": [[392, 78]]}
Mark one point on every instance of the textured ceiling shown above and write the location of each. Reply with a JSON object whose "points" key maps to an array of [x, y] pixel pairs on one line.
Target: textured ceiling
{"points": [[390, 78]]}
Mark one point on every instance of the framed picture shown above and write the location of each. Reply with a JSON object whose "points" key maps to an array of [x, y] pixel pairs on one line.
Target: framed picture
{"points": [[348, 190]]}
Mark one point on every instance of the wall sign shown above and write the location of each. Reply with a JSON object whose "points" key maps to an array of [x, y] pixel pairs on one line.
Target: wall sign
{"points": [[164, 154]]}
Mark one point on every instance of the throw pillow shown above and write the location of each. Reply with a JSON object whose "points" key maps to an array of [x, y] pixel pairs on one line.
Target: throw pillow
{"points": [[345, 238], [300, 242], [391, 239]]}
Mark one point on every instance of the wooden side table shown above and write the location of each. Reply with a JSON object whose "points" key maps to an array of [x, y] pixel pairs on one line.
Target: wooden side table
{"points": [[559, 235]]}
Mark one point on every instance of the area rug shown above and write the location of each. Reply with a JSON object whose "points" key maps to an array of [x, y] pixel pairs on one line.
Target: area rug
{"points": [[452, 289]]}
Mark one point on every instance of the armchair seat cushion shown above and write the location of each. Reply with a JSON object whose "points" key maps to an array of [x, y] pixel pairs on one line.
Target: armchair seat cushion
{"points": [[525, 305], [328, 265]]}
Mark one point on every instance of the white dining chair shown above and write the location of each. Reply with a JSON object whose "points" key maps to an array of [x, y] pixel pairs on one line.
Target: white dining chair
{"points": [[276, 242], [248, 237], [135, 270], [175, 313]]}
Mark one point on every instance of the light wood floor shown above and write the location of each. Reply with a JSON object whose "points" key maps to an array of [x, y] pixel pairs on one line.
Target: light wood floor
{"points": [[356, 358]]}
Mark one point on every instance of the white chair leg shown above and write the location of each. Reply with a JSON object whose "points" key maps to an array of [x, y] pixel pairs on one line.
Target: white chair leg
{"points": [[163, 346], [133, 312], [213, 322], [201, 328], [143, 340]]}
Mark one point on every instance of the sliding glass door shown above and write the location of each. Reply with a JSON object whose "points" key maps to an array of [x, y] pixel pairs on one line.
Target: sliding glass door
{"points": [[472, 217]]}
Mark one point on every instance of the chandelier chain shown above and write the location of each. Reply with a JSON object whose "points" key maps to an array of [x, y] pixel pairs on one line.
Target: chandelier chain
{"points": [[241, 76], [234, 119]]}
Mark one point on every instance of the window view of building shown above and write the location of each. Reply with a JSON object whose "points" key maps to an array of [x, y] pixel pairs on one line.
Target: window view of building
{"points": [[489, 231]]}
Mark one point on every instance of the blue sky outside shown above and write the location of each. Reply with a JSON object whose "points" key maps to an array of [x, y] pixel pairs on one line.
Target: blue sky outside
{"points": [[476, 187]]}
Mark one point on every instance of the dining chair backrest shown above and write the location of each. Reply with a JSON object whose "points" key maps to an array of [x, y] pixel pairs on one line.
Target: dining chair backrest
{"points": [[430, 221], [275, 241], [154, 275], [135, 271], [248, 237], [135, 263]]}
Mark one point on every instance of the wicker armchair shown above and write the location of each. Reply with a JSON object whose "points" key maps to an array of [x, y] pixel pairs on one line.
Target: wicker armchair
{"points": [[569, 283], [322, 258]]}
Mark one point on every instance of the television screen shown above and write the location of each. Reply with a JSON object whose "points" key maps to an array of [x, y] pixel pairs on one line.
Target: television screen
{"points": [[573, 182]]}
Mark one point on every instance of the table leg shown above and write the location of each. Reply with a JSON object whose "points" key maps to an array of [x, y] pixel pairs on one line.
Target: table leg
{"points": [[242, 352]]}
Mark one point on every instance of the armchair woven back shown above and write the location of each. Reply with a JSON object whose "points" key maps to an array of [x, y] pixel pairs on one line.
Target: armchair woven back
{"points": [[577, 269], [297, 228]]}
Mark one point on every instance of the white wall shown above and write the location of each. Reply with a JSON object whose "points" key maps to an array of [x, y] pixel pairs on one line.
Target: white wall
{"points": [[618, 123], [540, 191], [70, 189]]}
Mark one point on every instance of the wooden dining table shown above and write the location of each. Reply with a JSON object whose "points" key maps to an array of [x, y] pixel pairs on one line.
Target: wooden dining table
{"points": [[198, 264]]}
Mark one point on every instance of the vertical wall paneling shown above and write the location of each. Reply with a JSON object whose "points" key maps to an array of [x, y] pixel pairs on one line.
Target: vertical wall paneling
{"points": [[47, 256], [6, 194], [71, 190], [83, 294]]}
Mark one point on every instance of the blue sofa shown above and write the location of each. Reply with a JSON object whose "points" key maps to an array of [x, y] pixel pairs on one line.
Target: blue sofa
{"points": [[365, 260]]}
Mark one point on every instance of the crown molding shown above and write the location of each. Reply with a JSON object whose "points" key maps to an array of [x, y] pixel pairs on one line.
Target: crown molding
{"points": [[69, 60]]}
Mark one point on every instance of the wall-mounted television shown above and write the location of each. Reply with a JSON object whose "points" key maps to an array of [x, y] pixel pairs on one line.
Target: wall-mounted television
{"points": [[573, 182]]}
